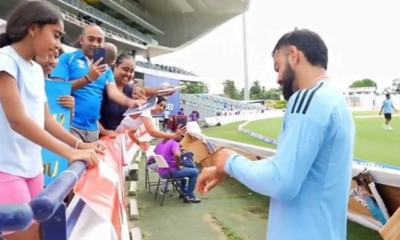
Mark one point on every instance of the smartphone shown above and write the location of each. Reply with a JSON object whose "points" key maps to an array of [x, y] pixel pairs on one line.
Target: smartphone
{"points": [[99, 53], [181, 120]]}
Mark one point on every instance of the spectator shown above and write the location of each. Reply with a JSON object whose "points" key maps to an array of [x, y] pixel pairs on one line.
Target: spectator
{"points": [[132, 123], [34, 28], [181, 112], [89, 81], [172, 154], [48, 64], [166, 118], [152, 165], [194, 116], [111, 113]]}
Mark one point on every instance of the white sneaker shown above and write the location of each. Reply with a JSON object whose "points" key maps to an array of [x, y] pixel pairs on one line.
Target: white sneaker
{"points": [[389, 128], [385, 127]]}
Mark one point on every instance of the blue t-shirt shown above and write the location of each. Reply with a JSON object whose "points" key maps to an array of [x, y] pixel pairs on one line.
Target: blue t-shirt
{"points": [[387, 106], [73, 66], [309, 178], [111, 113]]}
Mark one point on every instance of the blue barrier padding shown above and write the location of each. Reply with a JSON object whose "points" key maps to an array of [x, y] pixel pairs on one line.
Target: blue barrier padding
{"points": [[15, 217], [44, 205]]}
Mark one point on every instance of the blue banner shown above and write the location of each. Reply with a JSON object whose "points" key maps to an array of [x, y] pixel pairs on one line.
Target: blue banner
{"points": [[54, 164], [173, 102]]}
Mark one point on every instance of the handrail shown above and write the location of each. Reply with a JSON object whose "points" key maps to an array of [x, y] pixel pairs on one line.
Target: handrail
{"points": [[15, 217], [47, 202]]}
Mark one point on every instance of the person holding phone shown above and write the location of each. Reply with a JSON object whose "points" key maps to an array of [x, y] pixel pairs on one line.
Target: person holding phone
{"points": [[89, 80]]}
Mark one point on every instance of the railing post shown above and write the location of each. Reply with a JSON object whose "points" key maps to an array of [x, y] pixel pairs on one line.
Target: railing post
{"points": [[56, 227]]}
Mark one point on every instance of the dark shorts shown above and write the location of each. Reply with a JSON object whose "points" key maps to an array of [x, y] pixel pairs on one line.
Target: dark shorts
{"points": [[388, 116]]}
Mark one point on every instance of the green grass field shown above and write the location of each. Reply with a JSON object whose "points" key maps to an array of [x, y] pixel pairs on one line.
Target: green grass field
{"points": [[233, 212], [372, 144]]}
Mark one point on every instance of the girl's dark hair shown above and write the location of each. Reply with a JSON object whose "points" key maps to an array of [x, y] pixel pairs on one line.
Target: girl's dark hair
{"points": [[160, 99], [24, 16], [121, 58]]}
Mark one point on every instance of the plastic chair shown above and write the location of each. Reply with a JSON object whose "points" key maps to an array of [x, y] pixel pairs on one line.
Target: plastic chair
{"points": [[162, 163], [148, 183]]}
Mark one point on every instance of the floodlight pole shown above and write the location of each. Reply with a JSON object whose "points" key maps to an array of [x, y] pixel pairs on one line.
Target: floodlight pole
{"points": [[245, 63]]}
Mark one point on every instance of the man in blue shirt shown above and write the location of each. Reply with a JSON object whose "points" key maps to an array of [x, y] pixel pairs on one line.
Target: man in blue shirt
{"points": [[387, 107], [89, 81], [309, 178]]}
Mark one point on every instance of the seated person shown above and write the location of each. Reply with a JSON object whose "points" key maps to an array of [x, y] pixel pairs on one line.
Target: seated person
{"points": [[172, 154], [152, 165]]}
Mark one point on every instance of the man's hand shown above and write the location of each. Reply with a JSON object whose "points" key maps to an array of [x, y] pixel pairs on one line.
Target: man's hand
{"points": [[96, 70], [208, 179], [221, 157], [212, 176]]}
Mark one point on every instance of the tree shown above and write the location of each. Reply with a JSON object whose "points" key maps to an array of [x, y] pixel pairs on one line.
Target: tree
{"points": [[272, 94], [363, 83], [230, 90], [195, 88], [256, 90], [396, 86]]}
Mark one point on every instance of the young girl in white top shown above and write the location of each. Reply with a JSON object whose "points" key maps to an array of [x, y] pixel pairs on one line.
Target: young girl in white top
{"points": [[26, 125], [132, 123]]}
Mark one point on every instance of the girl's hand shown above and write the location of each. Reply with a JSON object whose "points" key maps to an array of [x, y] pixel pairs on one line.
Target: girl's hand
{"points": [[144, 146], [67, 102], [89, 156], [97, 146]]}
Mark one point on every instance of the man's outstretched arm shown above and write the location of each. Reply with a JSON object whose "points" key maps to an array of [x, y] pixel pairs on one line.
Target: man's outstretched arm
{"points": [[281, 177]]}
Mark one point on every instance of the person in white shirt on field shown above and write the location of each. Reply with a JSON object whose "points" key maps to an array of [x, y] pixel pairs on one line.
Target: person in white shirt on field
{"points": [[166, 118]]}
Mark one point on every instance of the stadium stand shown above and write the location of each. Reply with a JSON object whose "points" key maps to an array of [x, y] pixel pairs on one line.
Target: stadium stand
{"points": [[164, 68], [217, 103]]}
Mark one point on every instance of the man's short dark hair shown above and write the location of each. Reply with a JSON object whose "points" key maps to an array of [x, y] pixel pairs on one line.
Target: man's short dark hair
{"points": [[388, 95], [308, 42]]}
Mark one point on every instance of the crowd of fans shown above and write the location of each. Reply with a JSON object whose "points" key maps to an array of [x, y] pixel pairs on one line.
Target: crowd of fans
{"points": [[31, 53]]}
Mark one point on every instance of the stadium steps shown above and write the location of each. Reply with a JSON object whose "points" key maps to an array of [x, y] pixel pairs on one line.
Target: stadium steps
{"points": [[133, 211]]}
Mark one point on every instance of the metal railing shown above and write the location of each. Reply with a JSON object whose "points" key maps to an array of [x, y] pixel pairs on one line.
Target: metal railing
{"points": [[74, 19], [48, 208], [110, 20]]}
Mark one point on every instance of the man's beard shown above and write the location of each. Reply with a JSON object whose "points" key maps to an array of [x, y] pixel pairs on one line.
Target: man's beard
{"points": [[288, 79]]}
